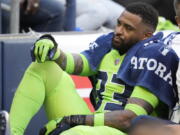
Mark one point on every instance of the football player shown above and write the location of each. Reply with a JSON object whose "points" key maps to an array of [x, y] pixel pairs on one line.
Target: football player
{"points": [[130, 75]]}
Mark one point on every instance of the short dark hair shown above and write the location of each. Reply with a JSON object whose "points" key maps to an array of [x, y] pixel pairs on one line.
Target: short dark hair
{"points": [[147, 12], [176, 3]]}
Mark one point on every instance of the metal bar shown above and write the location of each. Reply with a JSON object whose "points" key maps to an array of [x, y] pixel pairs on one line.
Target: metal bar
{"points": [[14, 16]]}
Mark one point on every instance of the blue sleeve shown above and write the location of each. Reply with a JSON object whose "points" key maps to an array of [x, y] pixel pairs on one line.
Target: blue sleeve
{"points": [[98, 49]]}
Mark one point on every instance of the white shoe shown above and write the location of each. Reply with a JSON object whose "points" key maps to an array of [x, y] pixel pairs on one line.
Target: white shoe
{"points": [[4, 123]]}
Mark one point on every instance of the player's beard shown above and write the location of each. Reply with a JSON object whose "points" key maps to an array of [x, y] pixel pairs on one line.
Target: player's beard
{"points": [[123, 46]]}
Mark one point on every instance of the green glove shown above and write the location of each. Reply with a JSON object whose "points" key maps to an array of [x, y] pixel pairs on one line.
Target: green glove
{"points": [[50, 126], [45, 48], [55, 127]]}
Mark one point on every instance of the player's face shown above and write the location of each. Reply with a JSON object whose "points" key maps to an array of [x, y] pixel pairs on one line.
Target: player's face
{"points": [[129, 30], [177, 20], [177, 17]]}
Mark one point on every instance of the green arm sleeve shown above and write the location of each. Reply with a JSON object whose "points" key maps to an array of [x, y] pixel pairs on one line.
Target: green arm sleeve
{"points": [[71, 65], [144, 94], [87, 71]]}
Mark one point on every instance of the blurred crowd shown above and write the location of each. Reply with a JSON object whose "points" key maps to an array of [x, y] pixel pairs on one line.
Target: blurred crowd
{"points": [[79, 15]]}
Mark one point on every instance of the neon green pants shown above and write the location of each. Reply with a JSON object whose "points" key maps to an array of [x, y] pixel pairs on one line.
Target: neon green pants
{"points": [[44, 84], [47, 84], [87, 130]]}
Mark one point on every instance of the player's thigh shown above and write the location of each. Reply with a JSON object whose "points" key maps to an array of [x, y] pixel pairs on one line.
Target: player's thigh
{"points": [[64, 100], [61, 97], [88, 130]]}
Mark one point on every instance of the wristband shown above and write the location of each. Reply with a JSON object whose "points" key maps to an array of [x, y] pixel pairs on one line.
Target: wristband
{"points": [[99, 119], [138, 110], [70, 63]]}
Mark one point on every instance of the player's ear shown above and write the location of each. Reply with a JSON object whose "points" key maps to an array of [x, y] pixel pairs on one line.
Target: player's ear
{"points": [[147, 35], [177, 18]]}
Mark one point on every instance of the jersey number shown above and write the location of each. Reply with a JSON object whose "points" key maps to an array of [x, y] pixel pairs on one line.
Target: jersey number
{"points": [[119, 95]]}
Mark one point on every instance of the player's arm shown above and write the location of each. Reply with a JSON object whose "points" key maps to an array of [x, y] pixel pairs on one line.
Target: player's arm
{"points": [[74, 63], [46, 48], [141, 102]]}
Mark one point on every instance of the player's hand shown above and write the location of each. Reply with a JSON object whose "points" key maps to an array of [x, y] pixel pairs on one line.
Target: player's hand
{"points": [[55, 127], [30, 6], [45, 48]]}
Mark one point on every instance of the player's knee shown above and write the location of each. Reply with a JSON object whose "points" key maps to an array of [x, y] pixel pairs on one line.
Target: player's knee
{"points": [[48, 65], [45, 69]]}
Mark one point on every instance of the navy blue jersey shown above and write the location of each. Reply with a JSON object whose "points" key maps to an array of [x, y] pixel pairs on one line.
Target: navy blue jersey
{"points": [[149, 63]]}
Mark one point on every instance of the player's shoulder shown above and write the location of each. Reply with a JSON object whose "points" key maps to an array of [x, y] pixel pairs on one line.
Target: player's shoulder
{"points": [[104, 40], [163, 46], [105, 37]]}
